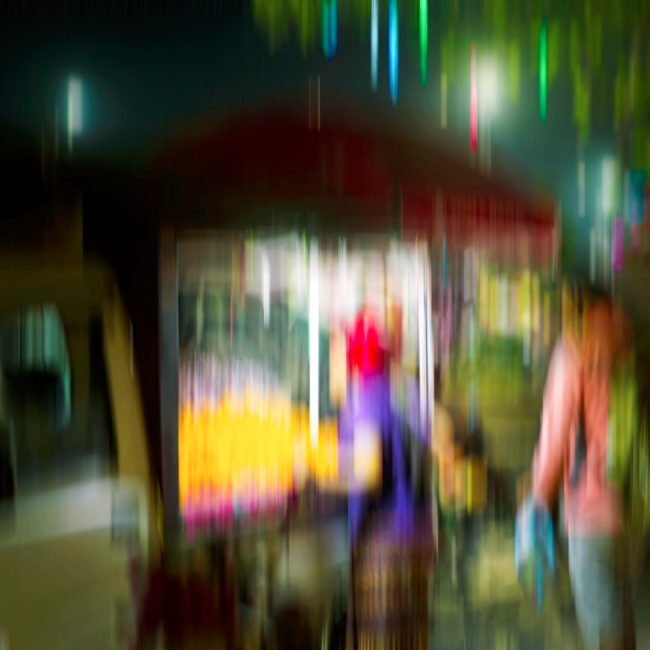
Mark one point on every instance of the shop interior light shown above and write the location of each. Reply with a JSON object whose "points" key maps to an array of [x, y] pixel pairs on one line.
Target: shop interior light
{"points": [[266, 287], [314, 326], [430, 352], [422, 334]]}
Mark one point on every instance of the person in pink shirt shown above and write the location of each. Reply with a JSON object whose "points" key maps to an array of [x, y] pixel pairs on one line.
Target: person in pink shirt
{"points": [[576, 398]]}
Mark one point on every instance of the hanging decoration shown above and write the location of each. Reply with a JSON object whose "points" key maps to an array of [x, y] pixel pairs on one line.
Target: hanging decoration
{"points": [[374, 43], [393, 50], [543, 70], [330, 28], [424, 40], [473, 102]]}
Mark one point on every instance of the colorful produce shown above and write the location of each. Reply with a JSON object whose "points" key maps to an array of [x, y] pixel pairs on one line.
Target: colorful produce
{"points": [[245, 452]]}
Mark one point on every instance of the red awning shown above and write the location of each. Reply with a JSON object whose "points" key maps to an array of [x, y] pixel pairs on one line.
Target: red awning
{"points": [[508, 230], [383, 180]]}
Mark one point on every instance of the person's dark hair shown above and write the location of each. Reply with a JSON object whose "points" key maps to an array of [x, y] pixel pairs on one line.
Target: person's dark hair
{"points": [[588, 293]]}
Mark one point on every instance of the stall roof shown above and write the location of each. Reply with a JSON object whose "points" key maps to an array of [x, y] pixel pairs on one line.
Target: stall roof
{"points": [[352, 174], [278, 146]]}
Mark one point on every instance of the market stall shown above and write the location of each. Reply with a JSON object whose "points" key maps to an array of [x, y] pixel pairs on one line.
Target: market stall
{"points": [[295, 264]]}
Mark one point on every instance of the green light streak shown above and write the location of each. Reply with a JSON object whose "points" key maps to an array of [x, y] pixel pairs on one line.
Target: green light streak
{"points": [[424, 39], [543, 69]]}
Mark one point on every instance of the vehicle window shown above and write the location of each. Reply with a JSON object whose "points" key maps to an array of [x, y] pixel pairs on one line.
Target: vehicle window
{"points": [[33, 341], [55, 418]]}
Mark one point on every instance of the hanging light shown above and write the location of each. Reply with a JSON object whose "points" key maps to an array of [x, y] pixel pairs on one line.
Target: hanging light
{"points": [[74, 108], [473, 102], [329, 21], [374, 42], [393, 50], [543, 69], [424, 39], [334, 26]]}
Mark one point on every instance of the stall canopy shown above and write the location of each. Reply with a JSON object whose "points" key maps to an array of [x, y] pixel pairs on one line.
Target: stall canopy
{"points": [[347, 178]]}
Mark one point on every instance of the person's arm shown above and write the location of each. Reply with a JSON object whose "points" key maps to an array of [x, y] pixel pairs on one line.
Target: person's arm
{"points": [[558, 417]]}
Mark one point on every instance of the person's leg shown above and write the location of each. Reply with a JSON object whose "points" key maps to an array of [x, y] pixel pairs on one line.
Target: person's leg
{"points": [[600, 592], [626, 641]]}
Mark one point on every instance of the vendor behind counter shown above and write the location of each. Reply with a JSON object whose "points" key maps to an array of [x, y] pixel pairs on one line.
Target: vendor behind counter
{"points": [[460, 467]]}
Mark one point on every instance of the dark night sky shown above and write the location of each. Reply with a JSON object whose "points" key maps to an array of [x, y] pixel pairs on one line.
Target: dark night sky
{"points": [[154, 67]]}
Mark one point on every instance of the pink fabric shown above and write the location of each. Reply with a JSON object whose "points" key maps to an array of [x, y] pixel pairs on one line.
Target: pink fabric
{"points": [[592, 507]]}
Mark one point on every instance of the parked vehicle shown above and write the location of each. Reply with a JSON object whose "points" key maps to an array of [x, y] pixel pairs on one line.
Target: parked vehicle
{"points": [[77, 502]]}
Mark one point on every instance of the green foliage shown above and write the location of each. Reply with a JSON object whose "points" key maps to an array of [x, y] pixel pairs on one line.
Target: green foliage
{"points": [[514, 71], [641, 151], [277, 19], [581, 102], [554, 50], [582, 35]]}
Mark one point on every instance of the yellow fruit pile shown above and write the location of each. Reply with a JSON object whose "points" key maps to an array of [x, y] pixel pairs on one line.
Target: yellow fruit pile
{"points": [[249, 447], [323, 459]]}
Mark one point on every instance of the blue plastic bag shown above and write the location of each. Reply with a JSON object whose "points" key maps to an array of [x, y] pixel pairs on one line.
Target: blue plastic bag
{"points": [[534, 548]]}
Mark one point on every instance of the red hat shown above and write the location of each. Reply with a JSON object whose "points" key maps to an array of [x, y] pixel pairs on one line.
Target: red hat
{"points": [[365, 352]]}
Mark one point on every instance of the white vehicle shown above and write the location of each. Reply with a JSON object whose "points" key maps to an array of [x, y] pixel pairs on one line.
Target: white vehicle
{"points": [[77, 503]]}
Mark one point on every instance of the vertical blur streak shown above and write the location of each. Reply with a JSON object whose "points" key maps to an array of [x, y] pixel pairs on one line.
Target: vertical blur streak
{"points": [[329, 21], [592, 255], [543, 69], [430, 359], [618, 244], [56, 134], [313, 340], [325, 28], [634, 194], [42, 150], [393, 51], [633, 67], [200, 313], [424, 39], [266, 287], [314, 102], [473, 102], [74, 109], [422, 339], [443, 100], [473, 404], [606, 255], [374, 43], [608, 186], [444, 262], [556, 242], [334, 24], [343, 272], [581, 187], [232, 305]]}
